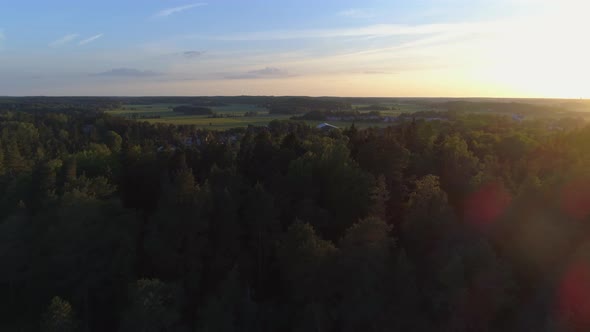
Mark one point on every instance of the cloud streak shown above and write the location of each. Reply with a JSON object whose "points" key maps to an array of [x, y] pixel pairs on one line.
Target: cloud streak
{"points": [[175, 10], [192, 54], [267, 72], [377, 30], [63, 40], [91, 39], [127, 72]]}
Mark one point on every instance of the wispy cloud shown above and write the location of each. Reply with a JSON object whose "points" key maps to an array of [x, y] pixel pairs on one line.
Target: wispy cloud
{"points": [[377, 30], [63, 40], [356, 13], [376, 72], [127, 72], [91, 39], [191, 54], [267, 72], [2, 36], [159, 53], [174, 10]]}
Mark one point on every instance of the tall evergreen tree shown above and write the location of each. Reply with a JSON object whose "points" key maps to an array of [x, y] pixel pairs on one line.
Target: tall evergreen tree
{"points": [[15, 162], [2, 162], [59, 317]]}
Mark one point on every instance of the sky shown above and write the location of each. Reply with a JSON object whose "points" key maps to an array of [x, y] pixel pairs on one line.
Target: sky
{"points": [[388, 48]]}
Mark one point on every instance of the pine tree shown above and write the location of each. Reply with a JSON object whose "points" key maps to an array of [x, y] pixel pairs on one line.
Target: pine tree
{"points": [[154, 307], [43, 183], [364, 264], [220, 313], [302, 255], [59, 317], [185, 187], [15, 163], [68, 172], [379, 198], [2, 166], [113, 141]]}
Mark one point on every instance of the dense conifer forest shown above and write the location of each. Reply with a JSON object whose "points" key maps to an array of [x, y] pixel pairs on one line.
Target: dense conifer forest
{"points": [[478, 223]]}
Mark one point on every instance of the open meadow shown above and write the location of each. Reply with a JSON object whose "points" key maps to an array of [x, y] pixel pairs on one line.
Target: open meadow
{"points": [[233, 115]]}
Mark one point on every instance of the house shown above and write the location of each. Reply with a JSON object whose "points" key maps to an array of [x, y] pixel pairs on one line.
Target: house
{"points": [[434, 119], [517, 117], [326, 126]]}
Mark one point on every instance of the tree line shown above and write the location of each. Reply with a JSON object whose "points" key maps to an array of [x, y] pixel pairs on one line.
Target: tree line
{"points": [[475, 224]]}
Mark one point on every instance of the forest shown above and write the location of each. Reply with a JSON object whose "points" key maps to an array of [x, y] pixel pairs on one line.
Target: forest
{"points": [[469, 222]]}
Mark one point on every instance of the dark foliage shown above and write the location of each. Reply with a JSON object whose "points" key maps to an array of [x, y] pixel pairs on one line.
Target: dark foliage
{"points": [[346, 115], [476, 223], [298, 105], [193, 110]]}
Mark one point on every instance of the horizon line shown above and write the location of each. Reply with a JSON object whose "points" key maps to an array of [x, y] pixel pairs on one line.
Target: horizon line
{"points": [[280, 96]]}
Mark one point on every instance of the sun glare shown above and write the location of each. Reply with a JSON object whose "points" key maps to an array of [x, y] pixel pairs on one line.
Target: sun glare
{"points": [[541, 57]]}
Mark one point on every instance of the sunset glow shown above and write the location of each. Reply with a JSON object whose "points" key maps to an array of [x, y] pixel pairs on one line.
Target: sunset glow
{"points": [[506, 48]]}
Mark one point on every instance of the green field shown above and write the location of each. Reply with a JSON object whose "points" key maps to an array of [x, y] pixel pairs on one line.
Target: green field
{"points": [[234, 111], [166, 109], [219, 123], [144, 109], [397, 108]]}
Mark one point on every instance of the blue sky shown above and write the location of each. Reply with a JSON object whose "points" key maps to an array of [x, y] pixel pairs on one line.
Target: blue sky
{"points": [[331, 47]]}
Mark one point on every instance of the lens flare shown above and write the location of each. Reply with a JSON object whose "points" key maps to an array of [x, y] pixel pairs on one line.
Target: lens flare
{"points": [[575, 198], [574, 298], [484, 207]]}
